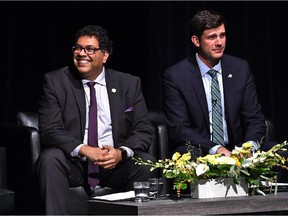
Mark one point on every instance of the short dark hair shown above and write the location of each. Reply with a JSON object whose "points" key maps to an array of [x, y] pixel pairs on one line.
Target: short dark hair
{"points": [[100, 33], [205, 19]]}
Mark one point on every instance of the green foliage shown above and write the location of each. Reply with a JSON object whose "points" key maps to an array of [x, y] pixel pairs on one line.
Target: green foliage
{"points": [[254, 167]]}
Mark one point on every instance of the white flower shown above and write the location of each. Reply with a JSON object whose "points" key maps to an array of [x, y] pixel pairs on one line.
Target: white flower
{"points": [[236, 150], [242, 163], [201, 169], [248, 162]]}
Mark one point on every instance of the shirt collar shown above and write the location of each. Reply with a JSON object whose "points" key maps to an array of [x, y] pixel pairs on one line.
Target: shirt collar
{"points": [[204, 68], [100, 79]]}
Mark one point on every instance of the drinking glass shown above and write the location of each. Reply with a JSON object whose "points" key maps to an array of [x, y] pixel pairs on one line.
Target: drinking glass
{"points": [[141, 190], [156, 187]]}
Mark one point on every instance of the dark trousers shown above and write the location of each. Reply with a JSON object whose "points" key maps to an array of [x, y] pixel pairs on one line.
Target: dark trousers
{"points": [[57, 173]]}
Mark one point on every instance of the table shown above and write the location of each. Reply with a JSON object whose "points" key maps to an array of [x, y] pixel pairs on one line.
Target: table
{"points": [[268, 204]]}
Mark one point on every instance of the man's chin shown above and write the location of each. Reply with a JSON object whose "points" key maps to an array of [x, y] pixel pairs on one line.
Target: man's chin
{"points": [[218, 55], [84, 73], [83, 70]]}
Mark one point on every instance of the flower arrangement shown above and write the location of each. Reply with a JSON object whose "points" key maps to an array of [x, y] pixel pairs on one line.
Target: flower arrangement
{"points": [[254, 166]]}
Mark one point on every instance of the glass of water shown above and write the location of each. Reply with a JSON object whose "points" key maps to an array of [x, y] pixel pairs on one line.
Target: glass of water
{"points": [[141, 190], [156, 187]]}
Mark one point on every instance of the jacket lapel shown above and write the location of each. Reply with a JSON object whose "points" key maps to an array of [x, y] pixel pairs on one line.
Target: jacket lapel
{"points": [[198, 86], [227, 77], [114, 100], [79, 94]]}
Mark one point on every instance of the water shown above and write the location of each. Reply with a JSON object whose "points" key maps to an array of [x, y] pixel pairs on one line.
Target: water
{"points": [[142, 194], [156, 189]]}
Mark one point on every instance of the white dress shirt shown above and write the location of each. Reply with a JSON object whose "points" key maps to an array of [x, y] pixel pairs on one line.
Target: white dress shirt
{"points": [[207, 86], [206, 78], [105, 136]]}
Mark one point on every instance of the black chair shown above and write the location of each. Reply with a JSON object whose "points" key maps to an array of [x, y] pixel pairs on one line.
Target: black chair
{"points": [[78, 196], [24, 151], [21, 154], [6, 195], [160, 147], [16, 141], [269, 136]]}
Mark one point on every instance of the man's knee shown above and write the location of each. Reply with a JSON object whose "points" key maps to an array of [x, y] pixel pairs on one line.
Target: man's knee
{"points": [[145, 157], [50, 157], [145, 170]]}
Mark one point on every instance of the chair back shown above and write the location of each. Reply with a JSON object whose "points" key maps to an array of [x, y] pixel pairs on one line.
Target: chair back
{"points": [[30, 119], [160, 146]]}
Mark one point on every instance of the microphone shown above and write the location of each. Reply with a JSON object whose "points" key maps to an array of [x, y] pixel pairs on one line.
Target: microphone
{"points": [[214, 102]]}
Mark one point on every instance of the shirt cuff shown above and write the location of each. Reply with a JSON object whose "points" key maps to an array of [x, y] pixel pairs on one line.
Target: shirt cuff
{"points": [[129, 151], [256, 145], [75, 152], [213, 150]]}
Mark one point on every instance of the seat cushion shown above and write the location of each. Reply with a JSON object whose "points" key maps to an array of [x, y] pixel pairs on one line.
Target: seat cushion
{"points": [[6, 201], [103, 191]]}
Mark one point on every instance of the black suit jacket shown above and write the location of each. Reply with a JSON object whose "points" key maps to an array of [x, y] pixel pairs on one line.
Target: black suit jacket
{"points": [[186, 108], [62, 111]]}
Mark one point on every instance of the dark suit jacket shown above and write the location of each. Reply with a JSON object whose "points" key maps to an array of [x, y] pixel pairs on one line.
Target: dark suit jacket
{"points": [[62, 111], [186, 108]]}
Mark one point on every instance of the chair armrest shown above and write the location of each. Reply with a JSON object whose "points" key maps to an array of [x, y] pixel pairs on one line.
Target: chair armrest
{"points": [[35, 144], [22, 147], [160, 148], [162, 138], [3, 168], [269, 136], [22, 150]]}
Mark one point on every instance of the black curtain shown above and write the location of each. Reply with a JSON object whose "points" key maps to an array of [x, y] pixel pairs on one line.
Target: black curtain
{"points": [[148, 37]]}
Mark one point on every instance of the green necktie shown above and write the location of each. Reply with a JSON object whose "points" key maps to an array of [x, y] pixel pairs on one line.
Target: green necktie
{"points": [[217, 123]]}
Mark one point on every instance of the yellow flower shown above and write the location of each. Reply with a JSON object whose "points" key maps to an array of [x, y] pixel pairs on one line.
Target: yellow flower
{"points": [[247, 145], [212, 159], [180, 163], [186, 157], [244, 149], [175, 156], [226, 160], [241, 164], [237, 162]]}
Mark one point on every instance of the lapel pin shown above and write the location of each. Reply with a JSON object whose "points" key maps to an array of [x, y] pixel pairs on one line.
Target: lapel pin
{"points": [[113, 90], [230, 76]]}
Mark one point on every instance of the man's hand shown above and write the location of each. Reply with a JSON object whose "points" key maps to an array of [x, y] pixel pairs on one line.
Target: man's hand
{"points": [[223, 150], [111, 159], [92, 153], [107, 157]]}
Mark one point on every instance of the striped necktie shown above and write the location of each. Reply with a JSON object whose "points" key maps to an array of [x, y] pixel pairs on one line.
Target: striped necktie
{"points": [[217, 123]]}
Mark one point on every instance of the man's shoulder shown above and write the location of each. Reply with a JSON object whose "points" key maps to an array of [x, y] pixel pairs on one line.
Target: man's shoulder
{"points": [[227, 57], [58, 71], [64, 73], [183, 64], [119, 74]]}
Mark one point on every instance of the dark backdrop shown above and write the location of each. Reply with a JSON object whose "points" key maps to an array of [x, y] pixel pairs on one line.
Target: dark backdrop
{"points": [[148, 37]]}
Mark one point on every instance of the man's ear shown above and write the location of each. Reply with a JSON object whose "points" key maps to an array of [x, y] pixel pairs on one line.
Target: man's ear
{"points": [[105, 56], [195, 40]]}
